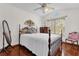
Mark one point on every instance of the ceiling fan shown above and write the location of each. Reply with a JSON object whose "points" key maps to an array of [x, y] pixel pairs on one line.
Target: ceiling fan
{"points": [[44, 7]]}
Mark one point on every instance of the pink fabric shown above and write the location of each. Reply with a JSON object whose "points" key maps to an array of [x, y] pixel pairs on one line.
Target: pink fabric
{"points": [[74, 36]]}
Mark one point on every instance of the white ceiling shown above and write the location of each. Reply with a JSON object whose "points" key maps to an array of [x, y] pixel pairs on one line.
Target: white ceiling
{"points": [[31, 6]]}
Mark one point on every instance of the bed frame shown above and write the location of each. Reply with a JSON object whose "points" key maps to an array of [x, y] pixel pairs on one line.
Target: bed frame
{"points": [[49, 40]]}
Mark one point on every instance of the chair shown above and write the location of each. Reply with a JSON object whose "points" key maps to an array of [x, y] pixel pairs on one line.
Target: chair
{"points": [[6, 35], [73, 37]]}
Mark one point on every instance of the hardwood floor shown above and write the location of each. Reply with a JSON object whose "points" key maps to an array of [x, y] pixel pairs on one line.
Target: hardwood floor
{"points": [[14, 51], [67, 50], [70, 50]]}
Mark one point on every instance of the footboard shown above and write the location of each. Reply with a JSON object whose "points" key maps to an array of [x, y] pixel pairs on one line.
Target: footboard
{"points": [[49, 43], [53, 47]]}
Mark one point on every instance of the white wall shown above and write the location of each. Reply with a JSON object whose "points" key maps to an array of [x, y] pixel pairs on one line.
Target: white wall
{"points": [[14, 17], [71, 22]]}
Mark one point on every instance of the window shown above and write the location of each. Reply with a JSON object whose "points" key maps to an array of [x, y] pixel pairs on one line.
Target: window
{"points": [[56, 25]]}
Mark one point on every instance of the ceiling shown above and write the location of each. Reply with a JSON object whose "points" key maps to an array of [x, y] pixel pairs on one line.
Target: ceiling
{"points": [[31, 6]]}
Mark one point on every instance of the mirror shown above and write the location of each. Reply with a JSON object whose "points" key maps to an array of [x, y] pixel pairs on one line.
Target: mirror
{"points": [[6, 32]]}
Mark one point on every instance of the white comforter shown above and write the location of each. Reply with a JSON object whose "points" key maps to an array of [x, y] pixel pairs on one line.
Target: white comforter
{"points": [[38, 42]]}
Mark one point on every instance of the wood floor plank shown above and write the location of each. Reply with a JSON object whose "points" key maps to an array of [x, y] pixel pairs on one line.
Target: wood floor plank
{"points": [[67, 49], [14, 51], [70, 50]]}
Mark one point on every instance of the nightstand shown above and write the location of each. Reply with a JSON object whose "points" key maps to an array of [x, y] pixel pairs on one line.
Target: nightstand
{"points": [[43, 29]]}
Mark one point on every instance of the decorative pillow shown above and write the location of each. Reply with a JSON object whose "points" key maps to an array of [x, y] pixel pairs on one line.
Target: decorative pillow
{"points": [[28, 30], [24, 30], [32, 30], [74, 35]]}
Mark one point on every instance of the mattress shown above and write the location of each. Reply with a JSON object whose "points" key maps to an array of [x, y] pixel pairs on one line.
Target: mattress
{"points": [[38, 42]]}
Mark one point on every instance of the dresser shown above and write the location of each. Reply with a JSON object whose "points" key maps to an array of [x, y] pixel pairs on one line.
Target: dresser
{"points": [[43, 29]]}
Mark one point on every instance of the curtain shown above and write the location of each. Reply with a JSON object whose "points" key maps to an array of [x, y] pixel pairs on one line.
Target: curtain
{"points": [[56, 25]]}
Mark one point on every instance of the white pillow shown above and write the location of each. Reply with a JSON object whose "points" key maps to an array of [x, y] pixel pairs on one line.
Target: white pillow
{"points": [[23, 26]]}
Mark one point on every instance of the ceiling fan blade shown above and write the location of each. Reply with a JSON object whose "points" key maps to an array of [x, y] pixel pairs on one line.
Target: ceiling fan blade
{"points": [[50, 8], [41, 4], [38, 8]]}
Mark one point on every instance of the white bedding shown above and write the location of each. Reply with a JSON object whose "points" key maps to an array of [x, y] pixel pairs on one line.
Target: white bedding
{"points": [[38, 42]]}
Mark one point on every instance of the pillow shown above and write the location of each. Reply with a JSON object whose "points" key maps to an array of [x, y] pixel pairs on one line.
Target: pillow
{"points": [[74, 35], [32, 30], [23, 26], [26, 30]]}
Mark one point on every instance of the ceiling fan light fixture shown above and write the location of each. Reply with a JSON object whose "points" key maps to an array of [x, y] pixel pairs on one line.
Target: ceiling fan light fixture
{"points": [[46, 9]]}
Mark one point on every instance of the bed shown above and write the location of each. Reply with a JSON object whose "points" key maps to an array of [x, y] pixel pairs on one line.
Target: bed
{"points": [[41, 44]]}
